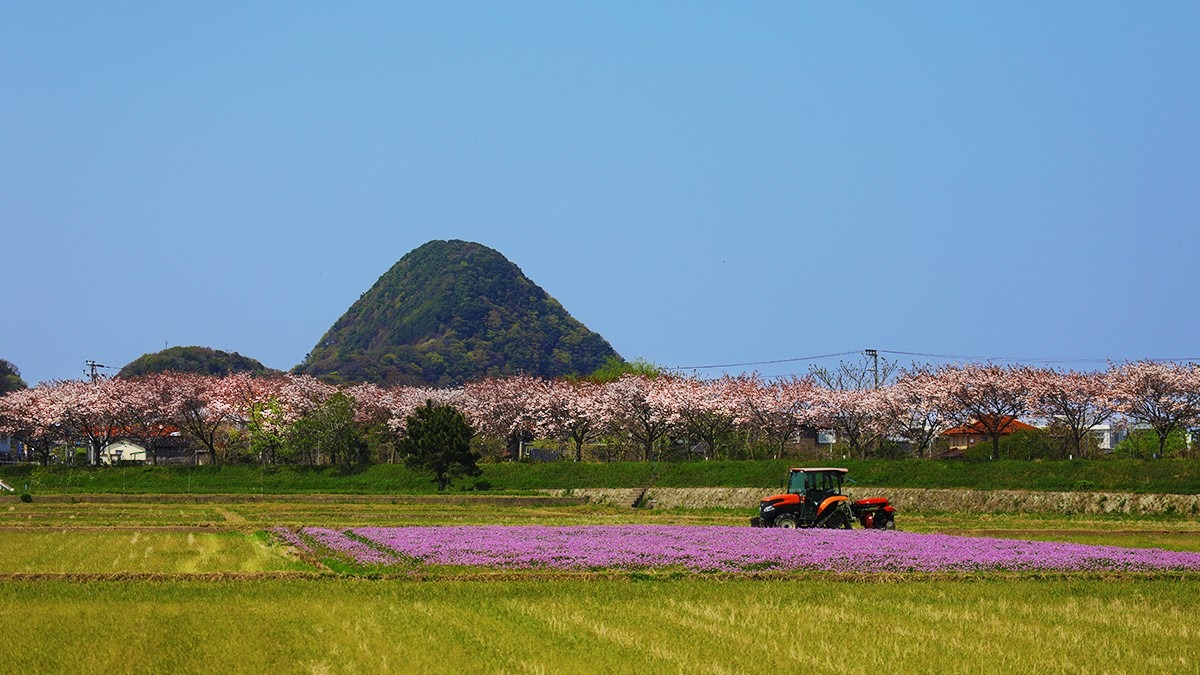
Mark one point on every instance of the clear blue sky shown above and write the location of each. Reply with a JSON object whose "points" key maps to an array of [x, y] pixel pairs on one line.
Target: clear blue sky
{"points": [[701, 183]]}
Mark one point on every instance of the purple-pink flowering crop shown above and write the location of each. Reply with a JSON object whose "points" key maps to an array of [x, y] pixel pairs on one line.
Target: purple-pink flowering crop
{"points": [[339, 541], [291, 538], [742, 549]]}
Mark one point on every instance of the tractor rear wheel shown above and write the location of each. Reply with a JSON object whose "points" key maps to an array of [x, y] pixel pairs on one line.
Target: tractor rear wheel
{"points": [[837, 521], [786, 522]]}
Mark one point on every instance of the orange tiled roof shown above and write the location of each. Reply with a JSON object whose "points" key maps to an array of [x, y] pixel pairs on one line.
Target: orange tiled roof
{"points": [[975, 428]]}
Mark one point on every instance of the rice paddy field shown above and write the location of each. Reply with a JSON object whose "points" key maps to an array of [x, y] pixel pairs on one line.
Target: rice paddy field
{"points": [[311, 586]]}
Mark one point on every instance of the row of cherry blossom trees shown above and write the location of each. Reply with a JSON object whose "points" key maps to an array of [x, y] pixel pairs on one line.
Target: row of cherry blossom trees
{"points": [[301, 419]]}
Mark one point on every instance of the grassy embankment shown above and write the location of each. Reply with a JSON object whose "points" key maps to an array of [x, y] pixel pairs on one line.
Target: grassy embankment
{"points": [[619, 626], [1167, 476]]}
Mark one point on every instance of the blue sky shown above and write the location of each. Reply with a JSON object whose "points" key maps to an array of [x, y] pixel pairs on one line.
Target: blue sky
{"points": [[701, 183]]}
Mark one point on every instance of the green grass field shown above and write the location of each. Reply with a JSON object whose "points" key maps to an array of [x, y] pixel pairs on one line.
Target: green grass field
{"points": [[1165, 476], [611, 626], [198, 587]]}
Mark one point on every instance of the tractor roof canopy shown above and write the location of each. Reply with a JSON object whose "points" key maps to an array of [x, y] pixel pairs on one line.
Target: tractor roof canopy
{"points": [[811, 481]]}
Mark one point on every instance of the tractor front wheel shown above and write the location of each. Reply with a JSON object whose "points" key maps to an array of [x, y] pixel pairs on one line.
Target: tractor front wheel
{"points": [[786, 522]]}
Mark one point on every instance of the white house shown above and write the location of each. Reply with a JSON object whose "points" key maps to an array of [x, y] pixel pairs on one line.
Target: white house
{"points": [[122, 451], [1107, 437]]}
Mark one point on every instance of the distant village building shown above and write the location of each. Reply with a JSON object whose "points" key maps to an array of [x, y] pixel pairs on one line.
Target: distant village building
{"points": [[1107, 436], [963, 437], [122, 451], [170, 447], [11, 449]]}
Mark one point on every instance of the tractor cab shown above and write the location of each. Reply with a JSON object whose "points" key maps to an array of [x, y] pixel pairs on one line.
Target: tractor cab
{"points": [[816, 484]]}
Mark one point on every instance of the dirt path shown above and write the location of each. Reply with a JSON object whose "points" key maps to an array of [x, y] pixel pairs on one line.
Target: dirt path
{"points": [[231, 517]]}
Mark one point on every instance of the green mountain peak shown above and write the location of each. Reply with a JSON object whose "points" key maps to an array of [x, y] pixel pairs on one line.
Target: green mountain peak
{"points": [[449, 312]]}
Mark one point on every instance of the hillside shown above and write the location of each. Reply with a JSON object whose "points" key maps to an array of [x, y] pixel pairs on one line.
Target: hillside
{"points": [[449, 312], [10, 378], [201, 360]]}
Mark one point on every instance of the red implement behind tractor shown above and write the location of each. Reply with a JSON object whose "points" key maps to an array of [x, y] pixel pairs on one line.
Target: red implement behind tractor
{"points": [[814, 499]]}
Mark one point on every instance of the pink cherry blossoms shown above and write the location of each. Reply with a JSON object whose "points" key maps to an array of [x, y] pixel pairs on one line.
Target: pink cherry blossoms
{"points": [[632, 417]]}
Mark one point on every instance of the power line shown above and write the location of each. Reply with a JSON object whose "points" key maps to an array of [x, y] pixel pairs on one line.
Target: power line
{"points": [[929, 355], [765, 363], [1024, 359], [967, 357]]}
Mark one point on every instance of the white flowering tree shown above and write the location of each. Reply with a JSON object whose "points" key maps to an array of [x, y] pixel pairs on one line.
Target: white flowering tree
{"points": [[988, 396], [1165, 396], [1077, 401]]}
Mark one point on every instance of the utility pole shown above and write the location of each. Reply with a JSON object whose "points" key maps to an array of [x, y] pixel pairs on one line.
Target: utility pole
{"points": [[92, 366], [874, 355]]}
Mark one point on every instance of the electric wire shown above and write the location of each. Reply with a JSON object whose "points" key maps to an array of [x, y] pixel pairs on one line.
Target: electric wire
{"points": [[764, 363], [930, 355]]}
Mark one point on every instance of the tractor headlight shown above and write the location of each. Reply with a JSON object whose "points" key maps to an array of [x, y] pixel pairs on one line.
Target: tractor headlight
{"points": [[767, 507]]}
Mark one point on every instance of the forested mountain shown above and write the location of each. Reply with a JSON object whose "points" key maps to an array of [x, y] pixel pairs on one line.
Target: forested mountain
{"points": [[10, 378], [201, 360], [449, 312]]}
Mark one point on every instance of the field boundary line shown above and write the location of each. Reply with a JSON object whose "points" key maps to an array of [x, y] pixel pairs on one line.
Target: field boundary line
{"points": [[120, 528], [171, 498], [603, 575]]}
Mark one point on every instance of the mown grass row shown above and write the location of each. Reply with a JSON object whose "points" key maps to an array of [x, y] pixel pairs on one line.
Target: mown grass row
{"points": [[1166, 476], [618, 626], [67, 552]]}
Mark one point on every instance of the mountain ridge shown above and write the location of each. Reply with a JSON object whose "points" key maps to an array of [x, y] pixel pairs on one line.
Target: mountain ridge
{"points": [[450, 311], [194, 359]]}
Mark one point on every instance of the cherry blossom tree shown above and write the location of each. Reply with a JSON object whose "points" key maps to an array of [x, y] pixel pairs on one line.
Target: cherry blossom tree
{"points": [[1166, 396], [90, 410], [504, 408], [34, 417], [267, 407], [917, 408], [1078, 401], [400, 402], [145, 409], [857, 415], [575, 410], [300, 395], [644, 408], [777, 410], [709, 410], [202, 408], [990, 397]]}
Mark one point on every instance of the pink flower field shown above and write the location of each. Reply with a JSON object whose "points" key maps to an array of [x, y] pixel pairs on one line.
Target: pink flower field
{"points": [[725, 549]]}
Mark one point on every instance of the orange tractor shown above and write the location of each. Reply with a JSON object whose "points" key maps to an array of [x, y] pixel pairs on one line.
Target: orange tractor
{"points": [[814, 499]]}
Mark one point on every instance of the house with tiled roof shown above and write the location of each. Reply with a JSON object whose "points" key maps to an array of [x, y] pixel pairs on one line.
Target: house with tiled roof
{"points": [[965, 436]]}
